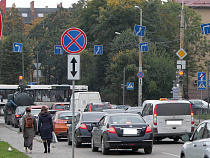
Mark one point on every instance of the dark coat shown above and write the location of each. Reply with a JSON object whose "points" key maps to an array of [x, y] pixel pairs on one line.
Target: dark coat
{"points": [[45, 126], [29, 131]]}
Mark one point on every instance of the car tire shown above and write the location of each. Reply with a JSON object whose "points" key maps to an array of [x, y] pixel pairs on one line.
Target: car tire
{"points": [[69, 141], [183, 156], [148, 150], [8, 122], [135, 149], [104, 150], [20, 130], [94, 149], [76, 143]]}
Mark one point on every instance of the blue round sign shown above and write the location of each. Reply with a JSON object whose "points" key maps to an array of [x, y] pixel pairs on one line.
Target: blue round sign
{"points": [[140, 74], [73, 40]]}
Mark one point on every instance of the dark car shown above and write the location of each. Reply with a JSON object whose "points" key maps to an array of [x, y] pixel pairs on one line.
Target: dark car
{"points": [[83, 127], [121, 131], [19, 112], [197, 109], [97, 106]]}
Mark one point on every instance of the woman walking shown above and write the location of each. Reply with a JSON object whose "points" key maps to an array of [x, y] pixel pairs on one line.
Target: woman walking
{"points": [[29, 127], [45, 128]]}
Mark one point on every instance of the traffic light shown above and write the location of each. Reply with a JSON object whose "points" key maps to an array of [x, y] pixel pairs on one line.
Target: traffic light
{"points": [[181, 74], [20, 80]]}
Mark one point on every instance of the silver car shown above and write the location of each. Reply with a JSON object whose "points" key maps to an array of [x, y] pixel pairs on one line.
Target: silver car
{"points": [[198, 146]]}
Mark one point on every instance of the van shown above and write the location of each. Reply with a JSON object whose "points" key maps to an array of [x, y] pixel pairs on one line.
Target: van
{"points": [[81, 99], [169, 119]]}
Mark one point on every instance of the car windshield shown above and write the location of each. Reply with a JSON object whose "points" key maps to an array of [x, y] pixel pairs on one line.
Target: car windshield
{"points": [[92, 117], [35, 111], [127, 119], [21, 109], [65, 115], [61, 106]]}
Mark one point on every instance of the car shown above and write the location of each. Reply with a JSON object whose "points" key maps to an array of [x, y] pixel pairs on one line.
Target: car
{"points": [[169, 118], [97, 106], [197, 109], [83, 127], [60, 123], [122, 107], [136, 110], [121, 131], [38, 106], [111, 111], [19, 112], [198, 145], [60, 106], [200, 103], [36, 112]]}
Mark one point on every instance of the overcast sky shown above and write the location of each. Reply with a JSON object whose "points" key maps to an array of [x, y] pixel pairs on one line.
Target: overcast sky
{"points": [[40, 3]]}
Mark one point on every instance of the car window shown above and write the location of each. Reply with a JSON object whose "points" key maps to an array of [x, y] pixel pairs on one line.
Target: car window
{"points": [[92, 117], [146, 110], [102, 121], [206, 133], [126, 119], [199, 132]]}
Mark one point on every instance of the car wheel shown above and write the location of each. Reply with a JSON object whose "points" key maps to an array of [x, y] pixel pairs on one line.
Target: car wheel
{"points": [[183, 156], [104, 150], [148, 150], [15, 125], [135, 149], [69, 141], [94, 149], [76, 143], [8, 122]]}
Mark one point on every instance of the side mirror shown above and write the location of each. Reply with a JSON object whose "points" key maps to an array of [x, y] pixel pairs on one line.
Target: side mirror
{"points": [[186, 137]]}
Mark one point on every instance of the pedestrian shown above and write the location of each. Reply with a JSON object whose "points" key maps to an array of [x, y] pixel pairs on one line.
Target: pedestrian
{"points": [[29, 128], [45, 128]]}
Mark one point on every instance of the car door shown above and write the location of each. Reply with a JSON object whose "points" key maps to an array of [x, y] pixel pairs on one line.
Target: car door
{"points": [[193, 148], [98, 131]]}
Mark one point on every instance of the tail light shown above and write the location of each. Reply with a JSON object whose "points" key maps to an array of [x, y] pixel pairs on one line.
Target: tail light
{"points": [[111, 130], [18, 115], [91, 107], [111, 106], [148, 129], [83, 126], [192, 115], [60, 122], [155, 115]]}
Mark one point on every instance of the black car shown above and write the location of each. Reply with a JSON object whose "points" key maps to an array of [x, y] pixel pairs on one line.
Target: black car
{"points": [[121, 131], [97, 106], [83, 127], [19, 112]]}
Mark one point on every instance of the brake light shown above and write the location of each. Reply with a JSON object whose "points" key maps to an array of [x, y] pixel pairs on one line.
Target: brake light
{"points": [[59, 121], [83, 126], [17, 115], [90, 107], [155, 115], [111, 130], [148, 129], [192, 115], [111, 106]]}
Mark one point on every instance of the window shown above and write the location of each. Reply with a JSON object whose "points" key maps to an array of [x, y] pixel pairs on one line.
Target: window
{"points": [[25, 15], [41, 15], [199, 132], [206, 133]]}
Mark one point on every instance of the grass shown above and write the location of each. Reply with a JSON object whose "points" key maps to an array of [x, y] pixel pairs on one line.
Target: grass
{"points": [[5, 153], [204, 116]]}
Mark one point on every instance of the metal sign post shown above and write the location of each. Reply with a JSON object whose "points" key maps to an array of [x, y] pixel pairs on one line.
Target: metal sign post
{"points": [[73, 122]]}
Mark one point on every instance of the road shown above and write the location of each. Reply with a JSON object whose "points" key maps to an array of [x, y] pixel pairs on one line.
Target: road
{"points": [[163, 149]]}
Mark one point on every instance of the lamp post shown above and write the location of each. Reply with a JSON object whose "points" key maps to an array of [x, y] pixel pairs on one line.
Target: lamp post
{"points": [[140, 64]]}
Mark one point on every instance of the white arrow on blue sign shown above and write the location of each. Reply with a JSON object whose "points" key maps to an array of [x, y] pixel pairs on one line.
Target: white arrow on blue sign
{"points": [[205, 29], [201, 81], [17, 47], [98, 50], [58, 49], [139, 30], [130, 85], [143, 47]]}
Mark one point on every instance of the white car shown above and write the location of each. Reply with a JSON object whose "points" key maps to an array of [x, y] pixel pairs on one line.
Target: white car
{"points": [[198, 146], [199, 102]]}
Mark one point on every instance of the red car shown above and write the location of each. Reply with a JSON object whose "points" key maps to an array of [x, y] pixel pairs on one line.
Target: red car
{"points": [[60, 106]]}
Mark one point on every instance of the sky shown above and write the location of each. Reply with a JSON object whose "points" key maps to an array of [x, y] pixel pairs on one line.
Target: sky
{"points": [[40, 3]]}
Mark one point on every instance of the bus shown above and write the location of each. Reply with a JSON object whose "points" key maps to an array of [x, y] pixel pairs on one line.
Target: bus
{"points": [[44, 94]]}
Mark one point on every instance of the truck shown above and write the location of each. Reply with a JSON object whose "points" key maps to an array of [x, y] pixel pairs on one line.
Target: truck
{"points": [[81, 99]]}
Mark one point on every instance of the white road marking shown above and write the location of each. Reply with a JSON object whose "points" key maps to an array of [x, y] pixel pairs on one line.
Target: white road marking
{"points": [[170, 154]]}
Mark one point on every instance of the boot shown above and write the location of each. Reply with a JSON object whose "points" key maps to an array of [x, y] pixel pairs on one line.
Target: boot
{"points": [[45, 147], [48, 144]]}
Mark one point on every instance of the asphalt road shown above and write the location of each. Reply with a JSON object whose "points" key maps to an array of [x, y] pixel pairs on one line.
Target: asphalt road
{"points": [[163, 149]]}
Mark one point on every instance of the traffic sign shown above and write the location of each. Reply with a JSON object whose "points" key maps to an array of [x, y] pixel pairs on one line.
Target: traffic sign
{"points": [[143, 47], [181, 64], [73, 67], [139, 30], [17, 47], [181, 53], [130, 85], [73, 40], [140, 74], [1, 25], [205, 29], [201, 81], [58, 49], [98, 50]]}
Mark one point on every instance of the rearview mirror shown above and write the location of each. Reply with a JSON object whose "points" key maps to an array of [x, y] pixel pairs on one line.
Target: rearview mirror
{"points": [[186, 137]]}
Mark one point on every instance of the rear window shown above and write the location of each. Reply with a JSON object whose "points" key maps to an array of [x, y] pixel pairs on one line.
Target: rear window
{"points": [[173, 109], [61, 106], [100, 107], [92, 117], [124, 119], [65, 116]]}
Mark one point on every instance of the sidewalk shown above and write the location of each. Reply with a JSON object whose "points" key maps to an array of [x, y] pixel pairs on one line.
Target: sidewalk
{"points": [[15, 139]]}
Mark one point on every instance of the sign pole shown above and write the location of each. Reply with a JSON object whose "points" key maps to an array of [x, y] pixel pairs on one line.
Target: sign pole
{"points": [[73, 122]]}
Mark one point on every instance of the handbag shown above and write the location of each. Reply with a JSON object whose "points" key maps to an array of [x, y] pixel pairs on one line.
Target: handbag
{"points": [[54, 138]]}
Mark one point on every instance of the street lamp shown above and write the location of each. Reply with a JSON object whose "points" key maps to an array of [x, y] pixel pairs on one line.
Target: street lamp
{"points": [[140, 63]]}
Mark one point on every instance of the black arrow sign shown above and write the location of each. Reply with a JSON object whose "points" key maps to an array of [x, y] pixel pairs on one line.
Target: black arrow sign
{"points": [[74, 63]]}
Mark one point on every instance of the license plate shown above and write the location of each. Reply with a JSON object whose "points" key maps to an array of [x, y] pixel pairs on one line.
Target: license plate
{"points": [[129, 131], [174, 122]]}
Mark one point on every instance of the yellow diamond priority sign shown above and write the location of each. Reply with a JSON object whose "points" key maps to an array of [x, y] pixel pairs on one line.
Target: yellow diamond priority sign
{"points": [[181, 53]]}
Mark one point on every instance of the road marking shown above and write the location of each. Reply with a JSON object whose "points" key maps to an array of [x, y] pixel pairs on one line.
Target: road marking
{"points": [[170, 154]]}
